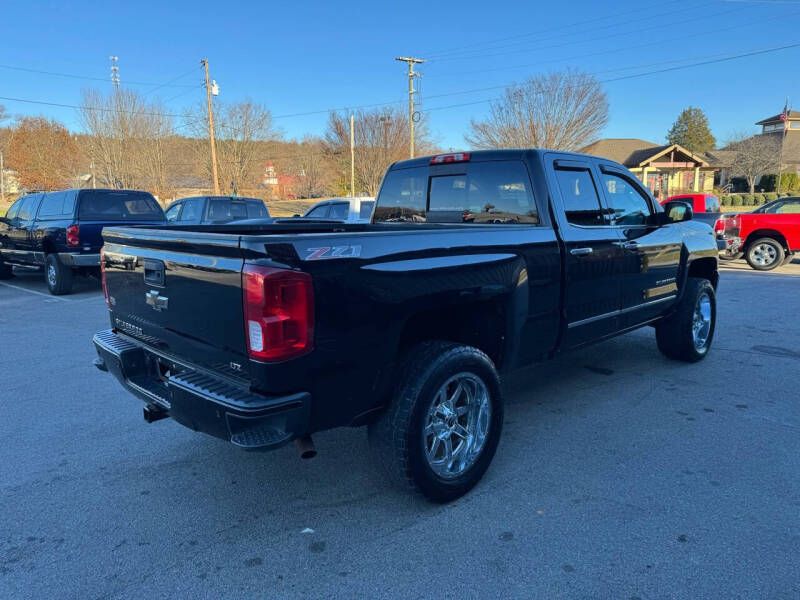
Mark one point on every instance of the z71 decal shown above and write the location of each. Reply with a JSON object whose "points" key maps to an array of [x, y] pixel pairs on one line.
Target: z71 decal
{"points": [[333, 252]]}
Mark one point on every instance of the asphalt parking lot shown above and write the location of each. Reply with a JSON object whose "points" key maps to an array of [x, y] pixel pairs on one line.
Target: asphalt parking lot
{"points": [[620, 475]]}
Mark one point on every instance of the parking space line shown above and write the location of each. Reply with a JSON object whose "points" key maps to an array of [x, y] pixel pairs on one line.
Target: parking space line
{"points": [[48, 296]]}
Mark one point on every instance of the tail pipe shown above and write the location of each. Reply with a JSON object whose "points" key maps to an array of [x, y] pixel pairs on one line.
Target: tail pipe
{"points": [[305, 446]]}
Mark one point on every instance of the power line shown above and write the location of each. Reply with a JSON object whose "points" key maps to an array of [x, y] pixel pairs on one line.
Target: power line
{"points": [[670, 40], [624, 77], [657, 27], [86, 77], [438, 53], [572, 32], [387, 104], [174, 79]]}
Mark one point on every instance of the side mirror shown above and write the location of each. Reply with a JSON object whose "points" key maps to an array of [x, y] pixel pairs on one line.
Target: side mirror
{"points": [[676, 211]]}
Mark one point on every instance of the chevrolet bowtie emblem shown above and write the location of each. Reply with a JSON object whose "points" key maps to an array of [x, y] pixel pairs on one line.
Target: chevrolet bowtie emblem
{"points": [[156, 300]]}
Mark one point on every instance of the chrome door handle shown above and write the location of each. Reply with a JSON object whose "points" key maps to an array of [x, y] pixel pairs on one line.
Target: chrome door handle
{"points": [[628, 245], [581, 251]]}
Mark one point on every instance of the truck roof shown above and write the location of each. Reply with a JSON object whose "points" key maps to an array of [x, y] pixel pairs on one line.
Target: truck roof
{"points": [[497, 154]]}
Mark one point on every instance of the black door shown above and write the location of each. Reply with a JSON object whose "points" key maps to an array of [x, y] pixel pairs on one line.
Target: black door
{"points": [[593, 253], [652, 253]]}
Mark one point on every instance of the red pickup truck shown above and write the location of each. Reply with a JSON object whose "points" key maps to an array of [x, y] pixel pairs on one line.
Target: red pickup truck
{"points": [[768, 236]]}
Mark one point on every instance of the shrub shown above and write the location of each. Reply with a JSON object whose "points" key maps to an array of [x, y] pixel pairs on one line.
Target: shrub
{"points": [[759, 199], [724, 200], [747, 199], [736, 200], [771, 196], [790, 182]]}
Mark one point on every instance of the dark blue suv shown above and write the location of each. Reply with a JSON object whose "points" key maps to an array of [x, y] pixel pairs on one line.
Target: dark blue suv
{"points": [[61, 231]]}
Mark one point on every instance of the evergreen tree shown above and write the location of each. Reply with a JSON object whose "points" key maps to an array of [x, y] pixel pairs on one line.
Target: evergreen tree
{"points": [[691, 131]]}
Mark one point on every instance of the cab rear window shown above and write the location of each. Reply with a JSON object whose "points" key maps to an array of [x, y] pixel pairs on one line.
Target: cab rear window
{"points": [[481, 192], [123, 205]]}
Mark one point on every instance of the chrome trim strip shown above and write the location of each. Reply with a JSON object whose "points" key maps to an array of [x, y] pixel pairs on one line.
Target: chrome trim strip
{"points": [[616, 313]]}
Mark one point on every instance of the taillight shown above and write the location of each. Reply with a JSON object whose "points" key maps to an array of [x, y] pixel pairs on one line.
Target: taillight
{"points": [[103, 276], [719, 225], [278, 312], [453, 157], [73, 236]]}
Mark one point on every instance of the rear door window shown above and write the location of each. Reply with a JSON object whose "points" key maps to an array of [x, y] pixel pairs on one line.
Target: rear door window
{"points": [[57, 205], [122, 205], [28, 208], [256, 210], [192, 209], [790, 207], [365, 211], [319, 212], [339, 211], [712, 204], [580, 198]]}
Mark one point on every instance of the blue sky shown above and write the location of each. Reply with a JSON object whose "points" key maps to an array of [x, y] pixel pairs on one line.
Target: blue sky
{"points": [[298, 57]]}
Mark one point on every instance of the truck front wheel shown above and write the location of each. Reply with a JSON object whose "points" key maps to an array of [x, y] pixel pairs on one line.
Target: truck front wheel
{"points": [[441, 431], [687, 334]]}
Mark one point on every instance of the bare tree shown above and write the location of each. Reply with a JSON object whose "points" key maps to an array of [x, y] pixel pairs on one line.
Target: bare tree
{"points": [[125, 139], [312, 169], [43, 153], [563, 111], [240, 130], [755, 156], [381, 138], [4, 116]]}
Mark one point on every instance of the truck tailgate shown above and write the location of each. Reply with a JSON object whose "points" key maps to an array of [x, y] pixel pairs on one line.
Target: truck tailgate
{"points": [[183, 297]]}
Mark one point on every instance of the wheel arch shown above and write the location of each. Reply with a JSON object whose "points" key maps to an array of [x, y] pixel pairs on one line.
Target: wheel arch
{"points": [[766, 233]]}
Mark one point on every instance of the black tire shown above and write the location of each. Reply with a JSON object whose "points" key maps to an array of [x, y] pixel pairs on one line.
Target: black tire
{"points": [[675, 335], [765, 254], [789, 258], [397, 438], [6, 271], [57, 275]]}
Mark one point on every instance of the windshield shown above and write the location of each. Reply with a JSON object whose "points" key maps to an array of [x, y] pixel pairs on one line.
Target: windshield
{"points": [[123, 205]]}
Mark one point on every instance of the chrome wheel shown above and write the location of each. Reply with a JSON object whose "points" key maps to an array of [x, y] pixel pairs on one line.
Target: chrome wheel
{"points": [[764, 254], [701, 323], [51, 275], [457, 425]]}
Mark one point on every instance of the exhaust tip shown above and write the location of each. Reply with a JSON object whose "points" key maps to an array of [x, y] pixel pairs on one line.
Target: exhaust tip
{"points": [[305, 447]]}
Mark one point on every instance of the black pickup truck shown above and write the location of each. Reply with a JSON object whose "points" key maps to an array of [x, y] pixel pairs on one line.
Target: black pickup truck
{"points": [[474, 264], [60, 230]]}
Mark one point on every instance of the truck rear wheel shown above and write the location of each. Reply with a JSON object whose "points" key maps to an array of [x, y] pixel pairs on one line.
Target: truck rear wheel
{"points": [[441, 431], [57, 275], [764, 254], [687, 335]]}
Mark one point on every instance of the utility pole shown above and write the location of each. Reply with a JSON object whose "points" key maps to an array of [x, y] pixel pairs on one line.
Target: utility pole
{"points": [[411, 74], [204, 62], [352, 158], [785, 122]]}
